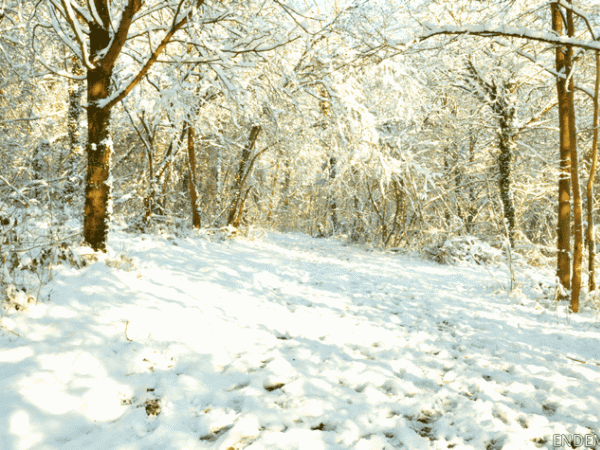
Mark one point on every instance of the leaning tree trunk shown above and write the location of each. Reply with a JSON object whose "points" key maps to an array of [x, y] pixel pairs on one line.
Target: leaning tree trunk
{"points": [[239, 177], [563, 66]]}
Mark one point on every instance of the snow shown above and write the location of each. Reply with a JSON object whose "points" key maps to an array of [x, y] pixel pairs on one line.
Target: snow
{"points": [[288, 342]]}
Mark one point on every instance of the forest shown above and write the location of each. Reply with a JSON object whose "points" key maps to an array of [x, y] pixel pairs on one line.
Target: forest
{"points": [[431, 126], [299, 224]]}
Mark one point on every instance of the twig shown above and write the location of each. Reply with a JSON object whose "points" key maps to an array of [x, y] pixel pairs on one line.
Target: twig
{"points": [[126, 325], [25, 201], [4, 327], [582, 361]]}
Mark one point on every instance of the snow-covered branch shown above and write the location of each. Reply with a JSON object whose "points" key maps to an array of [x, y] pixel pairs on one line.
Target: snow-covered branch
{"points": [[488, 30]]}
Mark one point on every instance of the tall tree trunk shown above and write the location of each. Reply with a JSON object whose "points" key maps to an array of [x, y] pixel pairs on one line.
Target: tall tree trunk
{"points": [[577, 204], [591, 241], [192, 177], [97, 189], [99, 148], [563, 66]]}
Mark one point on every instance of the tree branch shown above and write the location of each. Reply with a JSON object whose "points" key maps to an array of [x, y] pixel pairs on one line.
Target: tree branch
{"points": [[108, 62], [69, 15], [506, 31], [163, 44]]}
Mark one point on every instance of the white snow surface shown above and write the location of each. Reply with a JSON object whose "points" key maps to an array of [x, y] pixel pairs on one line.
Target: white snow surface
{"points": [[288, 342]]}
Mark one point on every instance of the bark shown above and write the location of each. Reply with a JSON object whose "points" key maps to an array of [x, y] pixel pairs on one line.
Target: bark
{"points": [[148, 141], [472, 197], [76, 89], [325, 105], [332, 205], [577, 203], [398, 199], [563, 65], [287, 181], [506, 146], [96, 214], [105, 47], [39, 167], [192, 178], [357, 231], [590, 186], [497, 96], [239, 177], [238, 218], [99, 148]]}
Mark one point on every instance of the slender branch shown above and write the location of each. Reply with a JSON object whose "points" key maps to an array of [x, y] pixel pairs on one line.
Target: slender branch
{"points": [[81, 13], [25, 201], [552, 72], [74, 24], [581, 14], [506, 31], [150, 61]]}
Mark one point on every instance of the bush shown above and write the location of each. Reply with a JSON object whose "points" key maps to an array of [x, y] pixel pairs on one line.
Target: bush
{"points": [[463, 249]]}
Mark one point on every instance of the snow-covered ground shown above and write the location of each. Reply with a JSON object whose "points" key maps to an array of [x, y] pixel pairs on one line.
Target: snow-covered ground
{"points": [[288, 342]]}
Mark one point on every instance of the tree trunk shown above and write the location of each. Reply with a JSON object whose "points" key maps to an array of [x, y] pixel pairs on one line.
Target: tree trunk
{"points": [[506, 145], [577, 206], [99, 149], [331, 203], [192, 177], [563, 66], [76, 88], [498, 97], [239, 177], [591, 241]]}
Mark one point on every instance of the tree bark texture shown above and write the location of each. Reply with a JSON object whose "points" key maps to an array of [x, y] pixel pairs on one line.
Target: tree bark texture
{"points": [[563, 66], [96, 215], [575, 184], [76, 89], [498, 96], [239, 177], [192, 177], [105, 46], [591, 240], [332, 205], [506, 144]]}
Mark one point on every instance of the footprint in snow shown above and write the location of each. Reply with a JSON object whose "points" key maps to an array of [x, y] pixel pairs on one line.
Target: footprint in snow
{"points": [[550, 408]]}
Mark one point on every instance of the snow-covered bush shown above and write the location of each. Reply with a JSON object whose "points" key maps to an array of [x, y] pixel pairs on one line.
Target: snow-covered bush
{"points": [[592, 300], [34, 237], [463, 249], [16, 299]]}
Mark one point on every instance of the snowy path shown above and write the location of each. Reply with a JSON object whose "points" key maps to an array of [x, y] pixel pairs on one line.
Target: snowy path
{"points": [[289, 343]]}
